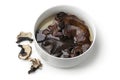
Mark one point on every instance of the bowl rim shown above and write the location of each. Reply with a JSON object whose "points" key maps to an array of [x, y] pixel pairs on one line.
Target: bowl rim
{"points": [[93, 31]]}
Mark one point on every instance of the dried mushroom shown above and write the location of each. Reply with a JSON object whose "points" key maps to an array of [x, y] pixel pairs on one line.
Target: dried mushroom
{"points": [[24, 37], [36, 64], [25, 52]]}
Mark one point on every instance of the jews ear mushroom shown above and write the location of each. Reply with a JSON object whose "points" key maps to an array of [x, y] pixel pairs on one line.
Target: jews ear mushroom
{"points": [[25, 52]]}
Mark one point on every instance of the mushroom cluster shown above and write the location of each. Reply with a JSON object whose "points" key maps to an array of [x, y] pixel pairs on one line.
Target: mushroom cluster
{"points": [[26, 51], [68, 37]]}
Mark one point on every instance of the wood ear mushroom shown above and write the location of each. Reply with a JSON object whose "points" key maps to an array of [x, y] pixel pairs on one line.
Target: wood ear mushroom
{"points": [[25, 52], [24, 37], [36, 64]]}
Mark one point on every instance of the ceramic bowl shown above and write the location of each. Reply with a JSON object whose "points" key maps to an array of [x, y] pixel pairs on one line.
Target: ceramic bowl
{"points": [[65, 62]]}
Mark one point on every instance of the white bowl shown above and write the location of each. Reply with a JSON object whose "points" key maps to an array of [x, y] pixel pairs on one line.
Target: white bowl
{"points": [[65, 62]]}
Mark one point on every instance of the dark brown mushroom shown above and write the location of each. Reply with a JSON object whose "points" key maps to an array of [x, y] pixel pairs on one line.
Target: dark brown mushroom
{"points": [[25, 52], [24, 37], [59, 16], [36, 64], [67, 37]]}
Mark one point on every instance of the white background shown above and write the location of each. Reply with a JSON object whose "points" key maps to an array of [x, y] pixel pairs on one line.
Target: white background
{"points": [[21, 15]]}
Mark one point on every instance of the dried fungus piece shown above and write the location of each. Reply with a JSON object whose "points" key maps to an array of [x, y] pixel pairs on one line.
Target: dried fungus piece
{"points": [[24, 37], [25, 52], [36, 64]]}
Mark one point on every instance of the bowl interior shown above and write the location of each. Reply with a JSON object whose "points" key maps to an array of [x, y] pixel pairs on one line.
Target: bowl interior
{"points": [[71, 10]]}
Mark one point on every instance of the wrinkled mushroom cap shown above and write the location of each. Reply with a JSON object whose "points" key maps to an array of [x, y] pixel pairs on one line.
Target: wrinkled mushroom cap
{"points": [[23, 34], [36, 63], [27, 50]]}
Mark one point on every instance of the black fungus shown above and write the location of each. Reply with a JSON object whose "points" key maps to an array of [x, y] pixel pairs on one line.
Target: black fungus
{"points": [[25, 52], [36, 64], [40, 36], [22, 52], [24, 37], [67, 37], [60, 16]]}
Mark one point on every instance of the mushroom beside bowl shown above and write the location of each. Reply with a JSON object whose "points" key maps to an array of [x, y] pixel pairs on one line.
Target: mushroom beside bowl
{"points": [[65, 62]]}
